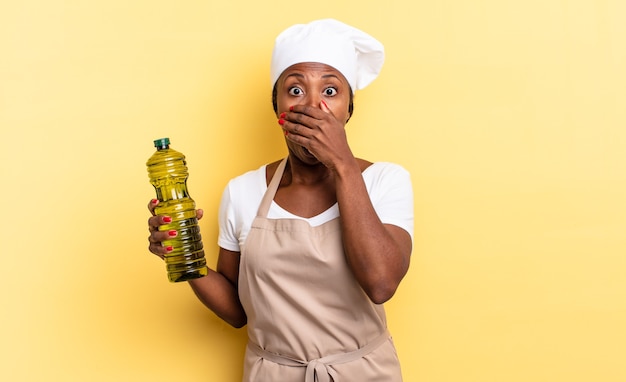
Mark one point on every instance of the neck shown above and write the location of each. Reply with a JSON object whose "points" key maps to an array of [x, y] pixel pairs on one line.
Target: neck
{"points": [[299, 172]]}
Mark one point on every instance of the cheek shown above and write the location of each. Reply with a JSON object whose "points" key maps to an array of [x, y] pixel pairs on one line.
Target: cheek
{"points": [[282, 104], [342, 111]]}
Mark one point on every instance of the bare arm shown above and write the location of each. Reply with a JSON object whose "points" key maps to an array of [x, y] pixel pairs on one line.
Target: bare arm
{"points": [[378, 253], [218, 289]]}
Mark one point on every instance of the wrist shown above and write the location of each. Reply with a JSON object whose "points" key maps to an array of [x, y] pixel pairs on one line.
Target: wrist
{"points": [[347, 168]]}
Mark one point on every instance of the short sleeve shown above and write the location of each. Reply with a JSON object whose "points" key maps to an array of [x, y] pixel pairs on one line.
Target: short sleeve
{"points": [[391, 193], [227, 238]]}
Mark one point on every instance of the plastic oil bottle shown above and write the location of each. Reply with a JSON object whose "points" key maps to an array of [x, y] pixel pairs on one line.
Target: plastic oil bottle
{"points": [[168, 174]]}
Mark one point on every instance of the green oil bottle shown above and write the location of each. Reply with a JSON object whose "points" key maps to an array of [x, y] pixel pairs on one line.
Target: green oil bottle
{"points": [[168, 173]]}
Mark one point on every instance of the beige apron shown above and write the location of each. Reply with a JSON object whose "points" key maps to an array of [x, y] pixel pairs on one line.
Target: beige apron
{"points": [[308, 318]]}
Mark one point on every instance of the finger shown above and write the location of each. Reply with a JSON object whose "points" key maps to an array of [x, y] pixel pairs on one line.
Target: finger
{"points": [[157, 240], [294, 122], [154, 222], [305, 110], [159, 250], [297, 137], [158, 237], [152, 205], [199, 213], [294, 129], [325, 107], [305, 120]]}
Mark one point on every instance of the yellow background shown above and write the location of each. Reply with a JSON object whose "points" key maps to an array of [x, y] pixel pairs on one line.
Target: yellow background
{"points": [[509, 115]]}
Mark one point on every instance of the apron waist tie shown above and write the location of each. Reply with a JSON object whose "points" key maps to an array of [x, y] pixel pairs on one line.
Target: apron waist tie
{"points": [[318, 370]]}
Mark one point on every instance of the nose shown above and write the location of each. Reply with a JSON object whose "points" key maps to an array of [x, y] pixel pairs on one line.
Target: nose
{"points": [[313, 100]]}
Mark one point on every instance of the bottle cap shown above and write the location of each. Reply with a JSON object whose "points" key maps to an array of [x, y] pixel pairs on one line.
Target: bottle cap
{"points": [[163, 142]]}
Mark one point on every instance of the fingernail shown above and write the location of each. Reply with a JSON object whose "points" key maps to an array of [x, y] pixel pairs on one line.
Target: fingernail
{"points": [[169, 248], [154, 201], [290, 108], [325, 104], [286, 132], [281, 121], [172, 233], [283, 115], [167, 219]]}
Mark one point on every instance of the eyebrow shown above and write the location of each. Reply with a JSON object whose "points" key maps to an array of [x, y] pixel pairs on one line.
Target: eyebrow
{"points": [[295, 75], [330, 75], [300, 75]]}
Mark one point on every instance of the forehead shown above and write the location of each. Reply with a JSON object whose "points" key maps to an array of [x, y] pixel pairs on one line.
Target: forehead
{"points": [[314, 69]]}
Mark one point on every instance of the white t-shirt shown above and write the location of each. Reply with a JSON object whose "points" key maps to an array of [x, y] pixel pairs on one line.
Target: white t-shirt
{"points": [[388, 185]]}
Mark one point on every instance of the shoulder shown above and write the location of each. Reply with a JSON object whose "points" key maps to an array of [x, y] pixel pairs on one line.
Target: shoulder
{"points": [[250, 179], [385, 180], [245, 188], [385, 170], [242, 195]]}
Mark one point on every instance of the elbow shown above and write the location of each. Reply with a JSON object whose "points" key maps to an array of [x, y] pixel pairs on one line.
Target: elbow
{"points": [[238, 320], [381, 292], [382, 287], [238, 323]]}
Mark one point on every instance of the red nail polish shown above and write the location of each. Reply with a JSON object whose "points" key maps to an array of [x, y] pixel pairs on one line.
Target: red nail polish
{"points": [[172, 233], [167, 219], [325, 104], [154, 201], [283, 115], [290, 108], [169, 248], [281, 121], [286, 132]]}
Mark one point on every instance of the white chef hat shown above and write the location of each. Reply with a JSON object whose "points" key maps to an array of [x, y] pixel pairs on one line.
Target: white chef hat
{"points": [[354, 53]]}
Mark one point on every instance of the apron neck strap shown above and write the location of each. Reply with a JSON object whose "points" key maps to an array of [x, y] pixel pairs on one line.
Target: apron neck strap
{"points": [[271, 189]]}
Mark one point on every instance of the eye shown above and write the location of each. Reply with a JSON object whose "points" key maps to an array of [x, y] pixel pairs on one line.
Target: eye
{"points": [[295, 91], [330, 92]]}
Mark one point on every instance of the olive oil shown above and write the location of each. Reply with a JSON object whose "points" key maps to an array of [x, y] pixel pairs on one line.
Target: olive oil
{"points": [[168, 173]]}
